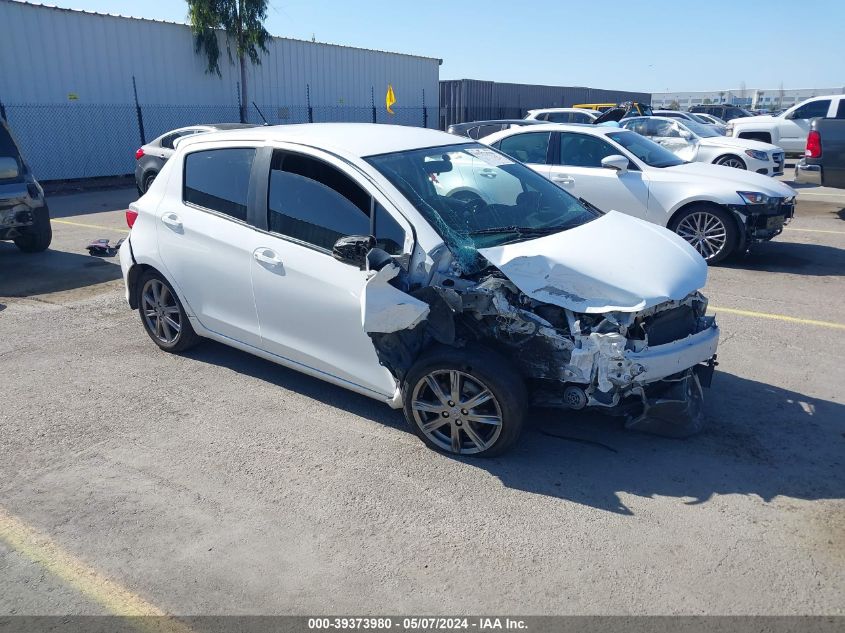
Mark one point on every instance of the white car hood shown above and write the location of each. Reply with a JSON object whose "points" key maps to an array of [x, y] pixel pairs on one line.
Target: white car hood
{"points": [[739, 179], [614, 263], [739, 143]]}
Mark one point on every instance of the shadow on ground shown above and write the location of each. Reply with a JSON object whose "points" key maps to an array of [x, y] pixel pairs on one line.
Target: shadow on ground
{"points": [[760, 440], [791, 257], [29, 274]]}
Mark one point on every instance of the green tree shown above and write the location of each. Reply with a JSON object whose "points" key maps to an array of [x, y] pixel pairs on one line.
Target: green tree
{"points": [[242, 21]]}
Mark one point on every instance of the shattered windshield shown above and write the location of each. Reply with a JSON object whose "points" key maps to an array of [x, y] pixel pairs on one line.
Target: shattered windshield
{"points": [[476, 197]]}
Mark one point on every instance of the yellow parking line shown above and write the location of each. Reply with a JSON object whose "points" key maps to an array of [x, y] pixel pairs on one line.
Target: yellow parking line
{"points": [[777, 317], [815, 231], [89, 226], [115, 598]]}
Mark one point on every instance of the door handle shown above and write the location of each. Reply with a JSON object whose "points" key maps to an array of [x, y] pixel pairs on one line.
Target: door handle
{"points": [[172, 220], [267, 256], [487, 173], [563, 180]]}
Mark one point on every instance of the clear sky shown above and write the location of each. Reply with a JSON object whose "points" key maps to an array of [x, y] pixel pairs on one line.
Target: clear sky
{"points": [[670, 46]]}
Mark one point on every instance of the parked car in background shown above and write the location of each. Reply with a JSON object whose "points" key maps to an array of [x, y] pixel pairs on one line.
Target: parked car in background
{"points": [[151, 157], [723, 111], [719, 128], [709, 118], [562, 115], [789, 130], [824, 157], [700, 143], [24, 216], [329, 248], [634, 106], [718, 210], [477, 129]]}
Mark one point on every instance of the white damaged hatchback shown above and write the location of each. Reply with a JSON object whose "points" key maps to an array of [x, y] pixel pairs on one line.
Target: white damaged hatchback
{"points": [[335, 249]]}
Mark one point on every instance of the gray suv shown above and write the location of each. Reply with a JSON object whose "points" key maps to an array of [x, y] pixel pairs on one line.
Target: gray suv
{"points": [[24, 217], [150, 158]]}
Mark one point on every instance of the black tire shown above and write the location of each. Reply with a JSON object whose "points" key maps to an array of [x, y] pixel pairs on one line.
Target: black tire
{"points": [[147, 181], [686, 220], [731, 160], [170, 305], [478, 369], [39, 235]]}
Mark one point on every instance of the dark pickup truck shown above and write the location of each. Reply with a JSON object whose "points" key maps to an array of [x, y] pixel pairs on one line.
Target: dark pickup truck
{"points": [[824, 159]]}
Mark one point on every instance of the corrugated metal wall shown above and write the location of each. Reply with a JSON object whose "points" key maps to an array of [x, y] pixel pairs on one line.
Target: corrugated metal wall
{"points": [[62, 70], [464, 100]]}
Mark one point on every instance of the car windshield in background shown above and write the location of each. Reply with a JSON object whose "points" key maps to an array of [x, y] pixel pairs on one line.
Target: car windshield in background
{"points": [[704, 131], [647, 151], [476, 197]]}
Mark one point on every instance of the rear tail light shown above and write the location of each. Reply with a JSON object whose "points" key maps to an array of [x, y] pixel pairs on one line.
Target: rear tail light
{"points": [[131, 216], [814, 145], [139, 153]]}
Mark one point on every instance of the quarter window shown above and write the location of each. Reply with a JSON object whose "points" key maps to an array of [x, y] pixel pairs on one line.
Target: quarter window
{"points": [[582, 150], [218, 179], [531, 147]]}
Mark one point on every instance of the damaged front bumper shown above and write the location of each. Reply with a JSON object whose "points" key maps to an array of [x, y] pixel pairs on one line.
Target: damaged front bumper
{"points": [[763, 222]]}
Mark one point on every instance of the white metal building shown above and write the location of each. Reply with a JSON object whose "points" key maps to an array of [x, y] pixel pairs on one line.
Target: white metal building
{"points": [[62, 68]]}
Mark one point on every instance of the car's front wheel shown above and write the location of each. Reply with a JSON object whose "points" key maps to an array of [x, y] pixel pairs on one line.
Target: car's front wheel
{"points": [[710, 230], [465, 401], [38, 236], [162, 314], [731, 161]]}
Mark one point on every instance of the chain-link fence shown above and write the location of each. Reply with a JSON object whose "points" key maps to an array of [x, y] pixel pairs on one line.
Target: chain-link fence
{"points": [[80, 140]]}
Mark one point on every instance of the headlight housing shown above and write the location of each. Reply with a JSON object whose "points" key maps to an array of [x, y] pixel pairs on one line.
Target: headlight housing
{"points": [[753, 197], [756, 154]]}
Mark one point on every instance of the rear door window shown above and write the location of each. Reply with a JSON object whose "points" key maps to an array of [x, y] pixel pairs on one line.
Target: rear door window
{"points": [[218, 180]]}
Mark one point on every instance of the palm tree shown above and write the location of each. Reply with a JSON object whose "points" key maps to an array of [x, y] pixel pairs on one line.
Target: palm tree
{"points": [[242, 22]]}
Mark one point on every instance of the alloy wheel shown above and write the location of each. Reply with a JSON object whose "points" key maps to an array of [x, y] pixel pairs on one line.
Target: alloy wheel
{"points": [[456, 411], [161, 312], [732, 162], [705, 231]]}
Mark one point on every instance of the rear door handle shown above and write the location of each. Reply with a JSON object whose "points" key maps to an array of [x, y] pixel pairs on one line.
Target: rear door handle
{"points": [[267, 256], [172, 220]]}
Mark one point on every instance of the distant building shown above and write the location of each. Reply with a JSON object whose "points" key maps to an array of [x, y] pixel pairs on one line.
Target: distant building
{"points": [[756, 98]]}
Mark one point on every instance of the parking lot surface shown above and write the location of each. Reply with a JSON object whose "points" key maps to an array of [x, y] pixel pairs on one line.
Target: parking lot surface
{"points": [[219, 483]]}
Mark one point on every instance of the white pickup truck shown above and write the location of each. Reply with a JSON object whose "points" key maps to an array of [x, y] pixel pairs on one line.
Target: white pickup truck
{"points": [[789, 130]]}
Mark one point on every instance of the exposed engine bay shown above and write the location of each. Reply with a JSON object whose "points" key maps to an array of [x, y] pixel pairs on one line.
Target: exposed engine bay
{"points": [[650, 364]]}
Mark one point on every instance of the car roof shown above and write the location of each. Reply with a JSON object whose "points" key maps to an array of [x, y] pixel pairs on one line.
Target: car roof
{"points": [[495, 122], [588, 111], [596, 130], [354, 139]]}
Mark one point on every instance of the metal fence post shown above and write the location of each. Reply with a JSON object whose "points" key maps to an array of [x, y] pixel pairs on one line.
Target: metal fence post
{"points": [[138, 113], [308, 101], [425, 111], [373, 101]]}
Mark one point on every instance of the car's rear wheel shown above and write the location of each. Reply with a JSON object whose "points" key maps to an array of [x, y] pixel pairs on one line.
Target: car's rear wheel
{"points": [[163, 316], [38, 236], [731, 161], [710, 230], [465, 401], [147, 182]]}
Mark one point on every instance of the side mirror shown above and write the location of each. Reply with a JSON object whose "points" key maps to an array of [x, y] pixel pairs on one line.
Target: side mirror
{"points": [[615, 161], [353, 250], [9, 168]]}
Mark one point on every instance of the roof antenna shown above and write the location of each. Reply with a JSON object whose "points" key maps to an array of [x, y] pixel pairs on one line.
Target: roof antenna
{"points": [[261, 114]]}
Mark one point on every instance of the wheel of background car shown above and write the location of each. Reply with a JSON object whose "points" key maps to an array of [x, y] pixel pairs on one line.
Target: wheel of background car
{"points": [[709, 229], [148, 180], [467, 401], [38, 235], [162, 314], [731, 161]]}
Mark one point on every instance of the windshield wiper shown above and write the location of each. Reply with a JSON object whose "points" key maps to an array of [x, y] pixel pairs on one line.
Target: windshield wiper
{"points": [[521, 230]]}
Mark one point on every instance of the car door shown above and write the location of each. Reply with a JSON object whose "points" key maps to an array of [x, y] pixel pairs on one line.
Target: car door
{"points": [[576, 166], [310, 304], [205, 241], [794, 126]]}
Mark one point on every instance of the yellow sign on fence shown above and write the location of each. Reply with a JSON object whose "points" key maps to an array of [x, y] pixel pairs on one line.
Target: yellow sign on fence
{"points": [[389, 99]]}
